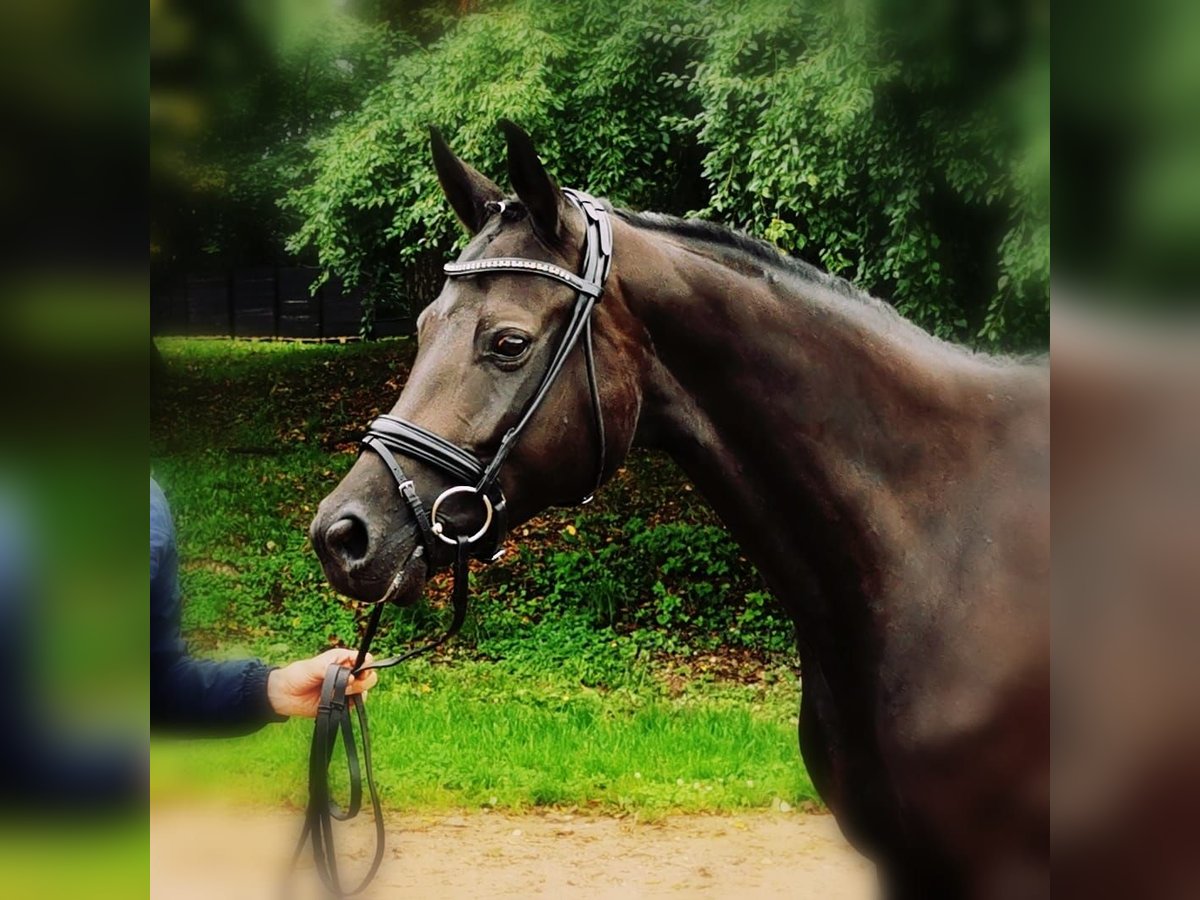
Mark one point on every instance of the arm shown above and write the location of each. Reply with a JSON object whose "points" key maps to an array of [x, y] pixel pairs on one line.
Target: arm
{"points": [[240, 696], [191, 695], [220, 699]]}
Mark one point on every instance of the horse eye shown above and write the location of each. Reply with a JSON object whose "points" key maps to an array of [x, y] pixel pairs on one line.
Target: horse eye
{"points": [[510, 346]]}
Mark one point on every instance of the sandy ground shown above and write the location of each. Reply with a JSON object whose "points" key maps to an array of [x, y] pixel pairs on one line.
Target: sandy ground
{"points": [[201, 852]]}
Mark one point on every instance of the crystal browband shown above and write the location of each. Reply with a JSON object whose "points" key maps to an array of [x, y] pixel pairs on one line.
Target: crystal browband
{"points": [[532, 266]]}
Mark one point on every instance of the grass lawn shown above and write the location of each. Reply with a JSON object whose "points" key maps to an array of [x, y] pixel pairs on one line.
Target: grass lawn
{"points": [[665, 687], [476, 735]]}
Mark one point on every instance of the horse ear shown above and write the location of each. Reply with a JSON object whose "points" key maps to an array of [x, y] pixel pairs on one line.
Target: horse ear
{"points": [[468, 191], [532, 182]]}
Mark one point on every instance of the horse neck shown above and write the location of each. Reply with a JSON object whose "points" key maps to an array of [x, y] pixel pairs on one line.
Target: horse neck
{"points": [[812, 422]]}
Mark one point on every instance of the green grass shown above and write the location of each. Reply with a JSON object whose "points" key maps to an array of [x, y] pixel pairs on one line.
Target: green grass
{"points": [[478, 736], [592, 671]]}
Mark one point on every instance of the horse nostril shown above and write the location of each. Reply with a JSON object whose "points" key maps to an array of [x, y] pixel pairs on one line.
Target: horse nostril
{"points": [[348, 538]]}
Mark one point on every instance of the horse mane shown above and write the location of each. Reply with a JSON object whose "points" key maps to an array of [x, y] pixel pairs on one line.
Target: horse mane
{"points": [[771, 259], [704, 231]]}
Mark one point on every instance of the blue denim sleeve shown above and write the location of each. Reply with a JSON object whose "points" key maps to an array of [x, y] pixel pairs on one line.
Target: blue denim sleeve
{"points": [[188, 695]]}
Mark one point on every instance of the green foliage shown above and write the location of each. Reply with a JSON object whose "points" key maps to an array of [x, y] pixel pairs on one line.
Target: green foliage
{"points": [[905, 156], [370, 204], [678, 587]]}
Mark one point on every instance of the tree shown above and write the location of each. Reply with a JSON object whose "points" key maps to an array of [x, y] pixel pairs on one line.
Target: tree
{"points": [[909, 153]]}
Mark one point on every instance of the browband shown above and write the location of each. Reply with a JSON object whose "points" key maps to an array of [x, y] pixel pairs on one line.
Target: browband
{"points": [[524, 266]]}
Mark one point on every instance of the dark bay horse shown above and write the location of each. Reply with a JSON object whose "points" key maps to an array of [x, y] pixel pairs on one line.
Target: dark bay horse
{"points": [[893, 490]]}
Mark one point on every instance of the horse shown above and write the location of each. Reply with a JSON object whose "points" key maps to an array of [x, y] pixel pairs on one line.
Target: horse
{"points": [[891, 487]]}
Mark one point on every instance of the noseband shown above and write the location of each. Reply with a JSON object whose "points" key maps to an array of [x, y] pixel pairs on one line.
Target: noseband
{"points": [[388, 436]]}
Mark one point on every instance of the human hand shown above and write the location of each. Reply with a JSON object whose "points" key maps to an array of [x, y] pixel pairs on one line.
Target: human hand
{"points": [[295, 690]]}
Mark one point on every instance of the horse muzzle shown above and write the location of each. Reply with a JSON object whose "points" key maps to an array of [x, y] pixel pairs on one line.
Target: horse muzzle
{"points": [[365, 558]]}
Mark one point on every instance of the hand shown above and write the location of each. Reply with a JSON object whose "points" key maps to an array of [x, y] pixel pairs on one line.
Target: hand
{"points": [[295, 690]]}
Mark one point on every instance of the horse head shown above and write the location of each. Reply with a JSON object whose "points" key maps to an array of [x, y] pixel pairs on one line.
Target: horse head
{"points": [[485, 347]]}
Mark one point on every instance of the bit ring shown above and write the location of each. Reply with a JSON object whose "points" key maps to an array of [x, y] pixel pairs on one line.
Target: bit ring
{"points": [[450, 492]]}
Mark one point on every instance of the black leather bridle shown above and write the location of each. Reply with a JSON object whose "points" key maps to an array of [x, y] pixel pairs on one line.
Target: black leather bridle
{"points": [[388, 436]]}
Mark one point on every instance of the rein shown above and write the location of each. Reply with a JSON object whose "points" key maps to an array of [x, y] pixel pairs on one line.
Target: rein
{"points": [[388, 436]]}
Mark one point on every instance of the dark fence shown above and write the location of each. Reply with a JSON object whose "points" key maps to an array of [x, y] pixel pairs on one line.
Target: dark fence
{"points": [[266, 301]]}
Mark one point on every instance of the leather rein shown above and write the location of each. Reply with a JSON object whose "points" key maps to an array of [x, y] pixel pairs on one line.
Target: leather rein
{"points": [[388, 436]]}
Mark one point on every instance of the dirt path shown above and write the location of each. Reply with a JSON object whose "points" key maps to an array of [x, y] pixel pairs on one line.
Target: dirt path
{"points": [[206, 853]]}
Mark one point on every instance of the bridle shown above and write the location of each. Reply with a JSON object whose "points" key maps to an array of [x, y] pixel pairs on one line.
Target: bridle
{"points": [[388, 433], [387, 436]]}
